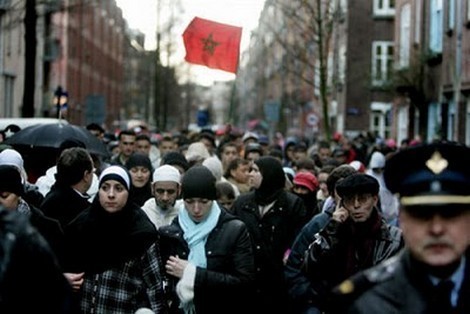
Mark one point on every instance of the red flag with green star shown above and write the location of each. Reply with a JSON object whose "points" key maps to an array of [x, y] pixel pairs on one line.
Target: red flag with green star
{"points": [[212, 44]]}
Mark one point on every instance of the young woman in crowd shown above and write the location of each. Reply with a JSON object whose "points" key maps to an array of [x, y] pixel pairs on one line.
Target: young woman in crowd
{"points": [[112, 249], [207, 252]]}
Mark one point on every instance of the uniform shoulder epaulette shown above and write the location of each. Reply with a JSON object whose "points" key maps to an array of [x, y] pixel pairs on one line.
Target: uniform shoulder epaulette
{"points": [[370, 277], [383, 271]]}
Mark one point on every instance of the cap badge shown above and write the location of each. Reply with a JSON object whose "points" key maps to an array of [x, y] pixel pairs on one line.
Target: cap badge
{"points": [[436, 163], [346, 287]]}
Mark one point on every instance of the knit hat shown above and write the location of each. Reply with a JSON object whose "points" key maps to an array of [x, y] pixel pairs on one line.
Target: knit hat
{"points": [[139, 160], [166, 173], [175, 159], [198, 182], [10, 180], [117, 173], [306, 179]]}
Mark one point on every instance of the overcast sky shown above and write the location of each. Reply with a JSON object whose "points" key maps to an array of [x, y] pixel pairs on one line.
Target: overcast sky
{"points": [[141, 14]]}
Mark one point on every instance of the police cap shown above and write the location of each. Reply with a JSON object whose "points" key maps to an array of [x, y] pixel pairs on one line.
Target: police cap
{"points": [[430, 174]]}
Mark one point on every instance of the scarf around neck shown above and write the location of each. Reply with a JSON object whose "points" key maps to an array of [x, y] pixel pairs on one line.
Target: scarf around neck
{"points": [[196, 234], [362, 240], [101, 240]]}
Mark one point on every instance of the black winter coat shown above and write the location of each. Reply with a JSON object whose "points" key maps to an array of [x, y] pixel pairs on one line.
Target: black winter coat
{"points": [[31, 280], [63, 204], [49, 228], [224, 286], [272, 236], [327, 263]]}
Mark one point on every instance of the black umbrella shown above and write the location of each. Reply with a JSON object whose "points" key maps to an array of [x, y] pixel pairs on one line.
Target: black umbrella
{"points": [[52, 135]]}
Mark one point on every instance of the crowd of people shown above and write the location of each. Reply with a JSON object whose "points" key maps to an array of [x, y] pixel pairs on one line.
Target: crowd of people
{"points": [[237, 223]]}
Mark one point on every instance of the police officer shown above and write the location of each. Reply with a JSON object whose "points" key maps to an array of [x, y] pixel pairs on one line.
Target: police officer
{"points": [[432, 275]]}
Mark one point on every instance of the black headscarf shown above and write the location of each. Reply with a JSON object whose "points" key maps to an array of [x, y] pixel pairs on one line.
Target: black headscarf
{"points": [[98, 240], [142, 194], [273, 182]]}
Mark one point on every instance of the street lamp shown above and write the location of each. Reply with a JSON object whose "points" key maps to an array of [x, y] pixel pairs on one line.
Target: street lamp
{"points": [[60, 100]]}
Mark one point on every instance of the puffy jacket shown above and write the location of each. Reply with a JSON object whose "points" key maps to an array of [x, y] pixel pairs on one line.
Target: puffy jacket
{"points": [[224, 286]]}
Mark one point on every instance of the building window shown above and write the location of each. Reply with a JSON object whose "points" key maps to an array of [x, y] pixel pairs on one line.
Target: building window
{"points": [[405, 25], [468, 12], [382, 62], [450, 16], [342, 64], [384, 7], [436, 24], [343, 7], [9, 84], [418, 10], [403, 123], [380, 119]]}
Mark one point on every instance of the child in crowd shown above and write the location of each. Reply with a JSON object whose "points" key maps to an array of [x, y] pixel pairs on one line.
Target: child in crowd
{"points": [[225, 195]]}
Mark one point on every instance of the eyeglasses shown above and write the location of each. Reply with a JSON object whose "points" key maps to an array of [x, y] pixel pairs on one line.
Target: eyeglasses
{"points": [[351, 200]]}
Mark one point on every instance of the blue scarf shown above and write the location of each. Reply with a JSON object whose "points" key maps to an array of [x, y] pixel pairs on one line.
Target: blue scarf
{"points": [[196, 234]]}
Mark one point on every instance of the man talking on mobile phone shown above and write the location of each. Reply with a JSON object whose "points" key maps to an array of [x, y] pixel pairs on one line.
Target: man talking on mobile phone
{"points": [[357, 237]]}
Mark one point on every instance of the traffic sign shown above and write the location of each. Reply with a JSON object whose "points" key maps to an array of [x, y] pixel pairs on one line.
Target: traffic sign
{"points": [[312, 119]]}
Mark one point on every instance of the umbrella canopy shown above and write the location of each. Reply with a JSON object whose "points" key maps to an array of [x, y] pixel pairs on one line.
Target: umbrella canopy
{"points": [[52, 135]]}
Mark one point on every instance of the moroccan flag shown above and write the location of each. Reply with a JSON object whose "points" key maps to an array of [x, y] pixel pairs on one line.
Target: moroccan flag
{"points": [[212, 44]]}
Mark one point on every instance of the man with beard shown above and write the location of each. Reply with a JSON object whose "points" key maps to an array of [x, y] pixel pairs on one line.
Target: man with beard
{"points": [[356, 238], [305, 187], [166, 188]]}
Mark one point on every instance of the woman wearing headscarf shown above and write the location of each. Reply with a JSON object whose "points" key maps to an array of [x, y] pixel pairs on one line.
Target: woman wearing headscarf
{"points": [[207, 252], [112, 247], [274, 217], [140, 168]]}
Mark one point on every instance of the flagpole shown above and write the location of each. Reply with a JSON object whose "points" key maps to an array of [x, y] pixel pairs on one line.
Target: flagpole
{"points": [[157, 113]]}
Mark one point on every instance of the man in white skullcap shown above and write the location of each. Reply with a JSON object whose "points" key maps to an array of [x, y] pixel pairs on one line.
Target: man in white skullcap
{"points": [[166, 189]]}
